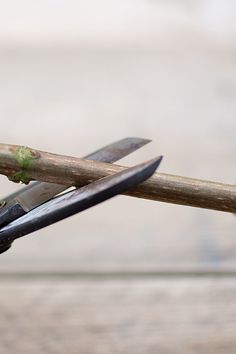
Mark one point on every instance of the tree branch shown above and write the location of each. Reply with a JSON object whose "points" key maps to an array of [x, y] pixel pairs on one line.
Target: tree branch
{"points": [[24, 164]]}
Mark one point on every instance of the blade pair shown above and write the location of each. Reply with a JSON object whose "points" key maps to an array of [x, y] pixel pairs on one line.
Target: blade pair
{"points": [[23, 203], [19, 203]]}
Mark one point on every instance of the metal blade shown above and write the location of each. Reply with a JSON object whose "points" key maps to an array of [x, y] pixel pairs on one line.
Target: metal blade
{"points": [[75, 201], [17, 204], [116, 151]]}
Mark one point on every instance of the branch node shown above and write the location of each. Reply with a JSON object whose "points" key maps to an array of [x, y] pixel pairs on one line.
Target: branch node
{"points": [[24, 156], [20, 177]]}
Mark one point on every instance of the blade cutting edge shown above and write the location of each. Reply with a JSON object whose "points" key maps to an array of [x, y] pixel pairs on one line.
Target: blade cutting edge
{"points": [[77, 201]]}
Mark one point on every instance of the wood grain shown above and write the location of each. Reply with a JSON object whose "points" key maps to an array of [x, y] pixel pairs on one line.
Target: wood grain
{"points": [[194, 316]]}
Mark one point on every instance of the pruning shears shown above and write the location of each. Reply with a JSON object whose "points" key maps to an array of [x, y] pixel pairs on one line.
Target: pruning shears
{"points": [[41, 204]]}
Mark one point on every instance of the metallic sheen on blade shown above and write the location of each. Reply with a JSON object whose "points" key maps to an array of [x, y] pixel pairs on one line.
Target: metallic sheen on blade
{"points": [[28, 198], [75, 201]]}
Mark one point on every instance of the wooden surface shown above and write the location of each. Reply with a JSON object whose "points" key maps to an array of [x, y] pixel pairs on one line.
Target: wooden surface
{"points": [[120, 316]]}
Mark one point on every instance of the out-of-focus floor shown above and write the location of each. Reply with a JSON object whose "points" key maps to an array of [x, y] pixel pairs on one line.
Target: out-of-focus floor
{"points": [[103, 316], [95, 283]]}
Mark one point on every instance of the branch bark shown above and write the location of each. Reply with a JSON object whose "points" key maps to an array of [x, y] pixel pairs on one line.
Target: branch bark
{"points": [[24, 164]]}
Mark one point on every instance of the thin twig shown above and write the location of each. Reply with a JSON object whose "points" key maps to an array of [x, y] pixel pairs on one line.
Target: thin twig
{"points": [[25, 164]]}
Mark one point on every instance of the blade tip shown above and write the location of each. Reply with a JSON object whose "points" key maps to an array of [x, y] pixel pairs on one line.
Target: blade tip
{"points": [[153, 164], [138, 140]]}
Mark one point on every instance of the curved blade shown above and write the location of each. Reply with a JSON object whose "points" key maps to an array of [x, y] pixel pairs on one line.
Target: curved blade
{"points": [[28, 198], [75, 201]]}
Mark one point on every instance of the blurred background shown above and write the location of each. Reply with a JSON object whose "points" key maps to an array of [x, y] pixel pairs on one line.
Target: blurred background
{"points": [[77, 75]]}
